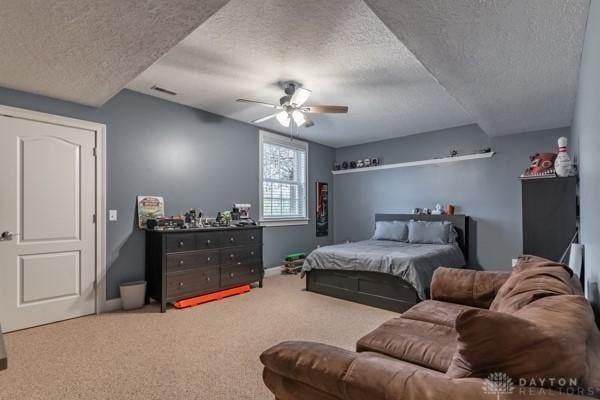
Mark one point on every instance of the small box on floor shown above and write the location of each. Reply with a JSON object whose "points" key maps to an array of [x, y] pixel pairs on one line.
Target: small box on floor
{"points": [[293, 263]]}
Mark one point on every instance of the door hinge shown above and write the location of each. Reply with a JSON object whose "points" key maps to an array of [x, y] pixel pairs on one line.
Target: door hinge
{"points": [[94, 218], [95, 152]]}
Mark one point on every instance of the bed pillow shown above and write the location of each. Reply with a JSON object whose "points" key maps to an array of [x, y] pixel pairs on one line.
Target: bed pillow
{"points": [[430, 232], [391, 230]]}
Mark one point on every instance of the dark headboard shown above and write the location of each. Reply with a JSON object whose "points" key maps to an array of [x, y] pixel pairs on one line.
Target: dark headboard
{"points": [[460, 222]]}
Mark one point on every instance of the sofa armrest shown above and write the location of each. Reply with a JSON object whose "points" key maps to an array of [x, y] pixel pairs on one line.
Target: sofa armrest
{"points": [[466, 286], [302, 370], [293, 369], [319, 365]]}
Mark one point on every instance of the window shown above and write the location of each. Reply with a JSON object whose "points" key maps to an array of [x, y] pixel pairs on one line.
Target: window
{"points": [[283, 173]]}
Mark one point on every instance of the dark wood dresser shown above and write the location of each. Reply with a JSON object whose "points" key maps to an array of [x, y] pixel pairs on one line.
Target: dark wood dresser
{"points": [[549, 215], [190, 262]]}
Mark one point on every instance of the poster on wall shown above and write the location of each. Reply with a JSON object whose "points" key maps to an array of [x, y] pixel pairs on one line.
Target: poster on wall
{"points": [[322, 209], [149, 207]]}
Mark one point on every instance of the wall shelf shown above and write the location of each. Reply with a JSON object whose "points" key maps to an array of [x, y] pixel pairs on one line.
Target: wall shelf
{"points": [[417, 163]]}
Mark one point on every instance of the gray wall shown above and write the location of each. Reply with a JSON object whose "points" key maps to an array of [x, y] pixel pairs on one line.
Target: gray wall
{"points": [[191, 157], [488, 190], [586, 135]]}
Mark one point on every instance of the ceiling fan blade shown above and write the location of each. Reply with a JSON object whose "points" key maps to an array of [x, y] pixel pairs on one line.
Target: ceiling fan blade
{"points": [[263, 119], [300, 96], [260, 103], [326, 109]]}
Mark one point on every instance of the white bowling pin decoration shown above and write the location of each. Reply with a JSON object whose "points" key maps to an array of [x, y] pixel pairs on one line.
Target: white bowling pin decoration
{"points": [[562, 165]]}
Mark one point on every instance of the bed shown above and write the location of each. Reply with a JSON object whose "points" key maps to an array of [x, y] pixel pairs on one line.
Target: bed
{"points": [[385, 274]]}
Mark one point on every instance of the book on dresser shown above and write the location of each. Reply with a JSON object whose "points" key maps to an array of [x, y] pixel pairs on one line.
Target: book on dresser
{"points": [[185, 263]]}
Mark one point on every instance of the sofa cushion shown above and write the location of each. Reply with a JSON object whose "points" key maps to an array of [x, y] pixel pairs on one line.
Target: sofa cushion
{"points": [[545, 339], [419, 342], [534, 278], [436, 312], [467, 286]]}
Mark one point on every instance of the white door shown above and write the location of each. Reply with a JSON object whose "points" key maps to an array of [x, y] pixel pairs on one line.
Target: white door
{"points": [[47, 206]]}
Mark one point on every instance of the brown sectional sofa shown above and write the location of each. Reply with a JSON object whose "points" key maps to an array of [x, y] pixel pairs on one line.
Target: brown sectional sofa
{"points": [[480, 329]]}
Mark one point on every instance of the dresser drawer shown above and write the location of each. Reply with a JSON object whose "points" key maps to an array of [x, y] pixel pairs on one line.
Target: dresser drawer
{"points": [[208, 240], [239, 274], [243, 237], [242, 254], [177, 242], [181, 261], [192, 282]]}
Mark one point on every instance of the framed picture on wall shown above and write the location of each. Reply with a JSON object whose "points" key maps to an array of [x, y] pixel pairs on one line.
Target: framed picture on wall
{"points": [[322, 209], [149, 207]]}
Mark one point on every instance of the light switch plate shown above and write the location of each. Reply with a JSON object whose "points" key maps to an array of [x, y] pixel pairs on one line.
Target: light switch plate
{"points": [[112, 215]]}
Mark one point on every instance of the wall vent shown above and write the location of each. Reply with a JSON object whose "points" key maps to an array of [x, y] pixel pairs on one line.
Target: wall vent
{"points": [[163, 90]]}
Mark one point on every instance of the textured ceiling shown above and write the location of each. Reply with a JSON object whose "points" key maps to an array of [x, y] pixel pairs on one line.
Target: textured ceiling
{"points": [[87, 50], [339, 49], [512, 64], [403, 67]]}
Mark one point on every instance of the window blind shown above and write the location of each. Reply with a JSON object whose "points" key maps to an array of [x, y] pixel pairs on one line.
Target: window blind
{"points": [[283, 179]]}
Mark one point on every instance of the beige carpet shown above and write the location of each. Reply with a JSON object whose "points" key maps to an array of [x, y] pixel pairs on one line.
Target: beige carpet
{"points": [[206, 352]]}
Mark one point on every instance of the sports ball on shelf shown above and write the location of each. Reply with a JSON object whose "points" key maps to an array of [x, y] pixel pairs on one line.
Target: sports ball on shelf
{"points": [[352, 164], [367, 162], [374, 162], [345, 165], [360, 164], [541, 164]]}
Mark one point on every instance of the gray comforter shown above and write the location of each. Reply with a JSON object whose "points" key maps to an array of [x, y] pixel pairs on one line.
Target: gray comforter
{"points": [[414, 263]]}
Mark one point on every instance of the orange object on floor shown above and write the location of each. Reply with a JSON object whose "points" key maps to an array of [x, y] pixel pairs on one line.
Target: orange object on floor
{"points": [[194, 301]]}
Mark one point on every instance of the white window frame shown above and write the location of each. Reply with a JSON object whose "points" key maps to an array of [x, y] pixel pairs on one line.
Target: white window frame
{"points": [[284, 141]]}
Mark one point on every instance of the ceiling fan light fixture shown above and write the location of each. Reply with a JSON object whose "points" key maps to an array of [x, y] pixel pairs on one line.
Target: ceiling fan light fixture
{"points": [[283, 118], [298, 117], [300, 96]]}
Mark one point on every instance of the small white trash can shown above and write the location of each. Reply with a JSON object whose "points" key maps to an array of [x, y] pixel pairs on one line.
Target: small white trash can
{"points": [[133, 295]]}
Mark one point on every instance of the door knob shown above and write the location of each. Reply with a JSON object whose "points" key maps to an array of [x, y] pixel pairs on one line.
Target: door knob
{"points": [[6, 235]]}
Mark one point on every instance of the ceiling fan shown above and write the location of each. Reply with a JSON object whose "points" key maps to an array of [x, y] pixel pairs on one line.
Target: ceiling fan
{"points": [[291, 107]]}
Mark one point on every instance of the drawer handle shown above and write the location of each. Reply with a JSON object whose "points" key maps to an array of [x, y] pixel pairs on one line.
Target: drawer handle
{"points": [[251, 253], [251, 270], [231, 275], [180, 284], [180, 244], [251, 237], [231, 240], [239, 263], [208, 279], [208, 242], [180, 262], [232, 256], [208, 259]]}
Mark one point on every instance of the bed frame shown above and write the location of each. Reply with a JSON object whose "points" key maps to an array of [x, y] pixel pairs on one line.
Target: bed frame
{"points": [[378, 289]]}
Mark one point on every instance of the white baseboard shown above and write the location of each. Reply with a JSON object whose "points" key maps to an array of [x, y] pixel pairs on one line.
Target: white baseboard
{"points": [[111, 305], [115, 304], [272, 271]]}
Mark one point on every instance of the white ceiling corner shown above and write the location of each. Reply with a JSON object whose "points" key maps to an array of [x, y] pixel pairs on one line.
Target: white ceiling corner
{"points": [[339, 49], [512, 64], [86, 51]]}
